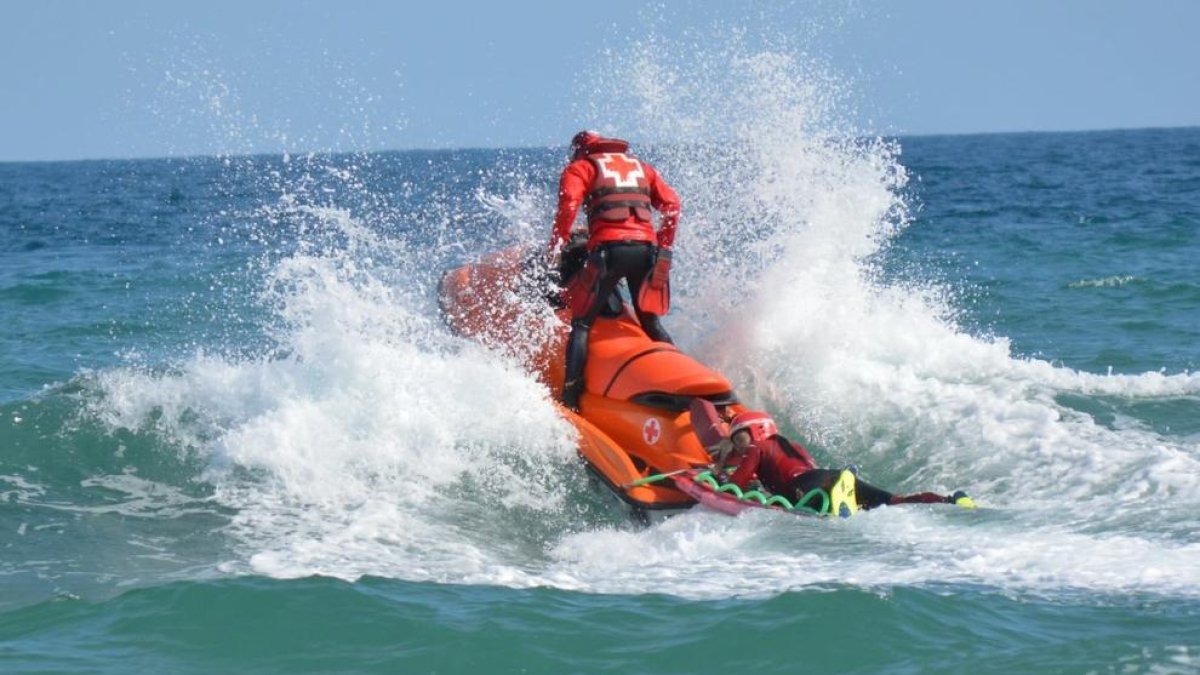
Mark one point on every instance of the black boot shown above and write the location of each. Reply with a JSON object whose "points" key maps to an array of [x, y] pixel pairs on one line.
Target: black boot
{"points": [[654, 328], [572, 390], [576, 359]]}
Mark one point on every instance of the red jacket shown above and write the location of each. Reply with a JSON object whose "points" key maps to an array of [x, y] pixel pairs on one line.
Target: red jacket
{"points": [[573, 187], [774, 466]]}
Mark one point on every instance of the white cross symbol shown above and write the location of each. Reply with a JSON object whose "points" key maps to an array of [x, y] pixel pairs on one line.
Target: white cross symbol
{"points": [[624, 171], [651, 431]]}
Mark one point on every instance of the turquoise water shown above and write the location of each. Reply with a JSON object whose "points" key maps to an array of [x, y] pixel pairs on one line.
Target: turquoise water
{"points": [[324, 625], [236, 436]]}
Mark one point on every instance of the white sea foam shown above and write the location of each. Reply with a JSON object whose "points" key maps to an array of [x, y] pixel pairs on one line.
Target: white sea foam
{"points": [[341, 451], [1105, 282]]}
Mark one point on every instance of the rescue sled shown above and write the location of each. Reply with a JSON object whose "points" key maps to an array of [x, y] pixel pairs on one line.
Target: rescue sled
{"points": [[634, 421], [708, 490]]}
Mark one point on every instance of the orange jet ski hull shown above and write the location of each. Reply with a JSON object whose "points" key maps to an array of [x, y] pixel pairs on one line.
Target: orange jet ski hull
{"points": [[634, 421]]}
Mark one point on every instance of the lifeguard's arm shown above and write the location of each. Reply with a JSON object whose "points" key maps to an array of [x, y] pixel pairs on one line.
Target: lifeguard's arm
{"points": [[747, 467], [667, 202], [572, 188]]}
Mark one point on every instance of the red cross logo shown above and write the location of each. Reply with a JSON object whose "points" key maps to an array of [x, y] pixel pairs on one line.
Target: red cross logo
{"points": [[623, 170], [651, 431]]}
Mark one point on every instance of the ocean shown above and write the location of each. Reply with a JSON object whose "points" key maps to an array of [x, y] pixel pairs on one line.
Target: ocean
{"points": [[236, 436]]}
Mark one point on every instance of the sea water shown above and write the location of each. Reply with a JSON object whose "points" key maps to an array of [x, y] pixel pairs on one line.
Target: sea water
{"points": [[236, 436]]}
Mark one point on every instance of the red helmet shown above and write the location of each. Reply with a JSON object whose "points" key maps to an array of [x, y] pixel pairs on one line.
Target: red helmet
{"points": [[759, 424], [582, 140]]}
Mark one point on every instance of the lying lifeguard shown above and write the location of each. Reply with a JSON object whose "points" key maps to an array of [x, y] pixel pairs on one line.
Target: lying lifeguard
{"points": [[754, 456]]}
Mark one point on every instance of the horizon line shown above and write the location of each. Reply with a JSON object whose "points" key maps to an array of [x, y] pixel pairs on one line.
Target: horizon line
{"points": [[475, 148]]}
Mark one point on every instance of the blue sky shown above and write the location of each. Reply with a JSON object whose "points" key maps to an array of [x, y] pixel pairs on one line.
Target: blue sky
{"points": [[129, 78]]}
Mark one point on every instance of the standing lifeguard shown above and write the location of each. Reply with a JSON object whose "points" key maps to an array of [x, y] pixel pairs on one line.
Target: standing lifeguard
{"points": [[617, 191]]}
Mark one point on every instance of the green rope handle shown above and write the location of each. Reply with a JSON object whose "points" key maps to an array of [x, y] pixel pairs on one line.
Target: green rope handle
{"points": [[780, 501], [803, 503], [731, 489], [706, 478], [756, 496]]}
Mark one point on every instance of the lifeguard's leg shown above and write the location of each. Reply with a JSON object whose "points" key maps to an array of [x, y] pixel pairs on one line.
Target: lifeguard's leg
{"points": [[869, 496], [654, 328], [650, 322], [866, 495], [924, 498], [879, 497], [576, 360], [577, 343]]}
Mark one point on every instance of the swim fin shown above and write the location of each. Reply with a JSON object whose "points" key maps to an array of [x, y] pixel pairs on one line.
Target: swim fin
{"points": [[843, 496], [655, 296]]}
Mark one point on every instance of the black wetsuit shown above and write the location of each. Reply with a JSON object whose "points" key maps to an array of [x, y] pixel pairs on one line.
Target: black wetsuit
{"points": [[631, 261]]}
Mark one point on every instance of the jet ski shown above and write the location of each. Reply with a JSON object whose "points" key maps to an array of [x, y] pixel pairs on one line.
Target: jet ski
{"points": [[634, 421]]}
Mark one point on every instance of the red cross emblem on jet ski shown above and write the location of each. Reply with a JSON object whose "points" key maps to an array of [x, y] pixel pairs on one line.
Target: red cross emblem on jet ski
{"points": [[651, 431], [623, 170]]}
